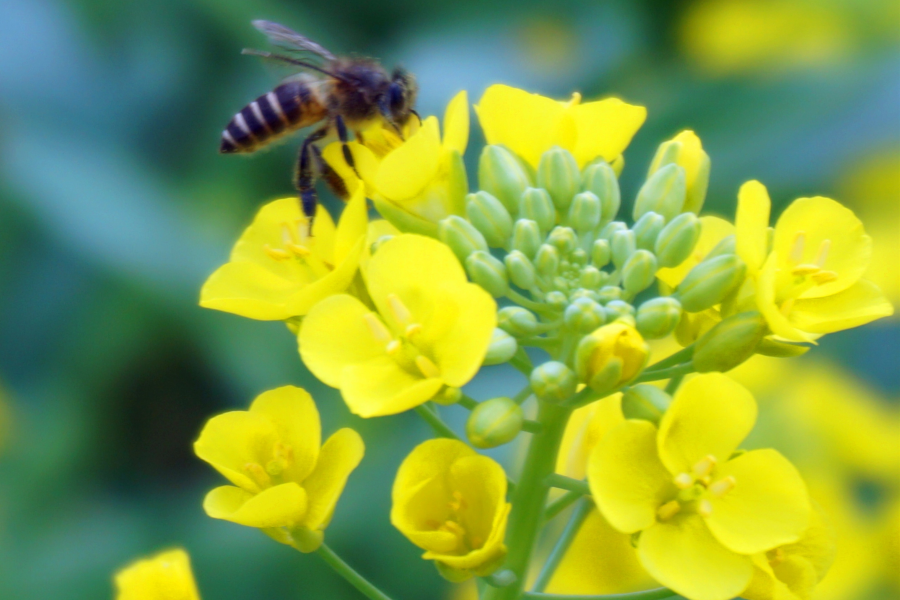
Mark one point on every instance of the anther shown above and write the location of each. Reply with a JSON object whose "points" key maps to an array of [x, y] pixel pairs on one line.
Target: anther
{"points": [[258, 475], [684, 481], [805, 269], [454, 528], [823, 277], [703, 468], [301, 251], [398, 309], [412, 329], [276, 253], [427, 367], [668, 510], [458, 503], [797, 249], [393, 347], [379, 331], [822, 255], [704, 508], [722, 486]]}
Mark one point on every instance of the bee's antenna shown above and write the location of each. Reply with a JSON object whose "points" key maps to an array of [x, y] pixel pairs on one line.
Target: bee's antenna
{"points": [[292, 61]]}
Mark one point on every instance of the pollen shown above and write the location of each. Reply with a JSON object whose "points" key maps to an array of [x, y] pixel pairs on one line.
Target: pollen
{"points": [[427, 367], [723, 486], [668, 510], [399, 311], [378, 329], [683, 481]]}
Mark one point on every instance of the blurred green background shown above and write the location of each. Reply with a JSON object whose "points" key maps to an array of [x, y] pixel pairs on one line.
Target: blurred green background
{"points": [[115, 206]]}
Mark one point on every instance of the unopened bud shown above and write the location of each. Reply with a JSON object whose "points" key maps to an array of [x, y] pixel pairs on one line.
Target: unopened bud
{"points": [[609, 293], [448, 395], [729, 343], [658, 317], [708, 283], [600, 253], [547, 260], [501, 174], [490, 217], [592, 277], [584, 315], [517, 321], [556, 300], [488, 272], [501, 349], [578, 257], [610, 228], [617, 309], [603, 181], [686, 151], [526, 237], [623, 245], [639, 271], [693, 325], [611, 356], [521, 270], [558, 173], [646, 402], [647, 229], [494, 422], [553, 382], [535, 204], [677, 240], [461, 236], [662, 193], [583, 293], [725, 246], [585, 212], [563, 238]]}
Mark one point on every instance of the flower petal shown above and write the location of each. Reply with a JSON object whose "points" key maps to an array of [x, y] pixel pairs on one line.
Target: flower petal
{"points": [[861, 303], [766, 290], [586, 427], [682, 555], [234, 439], [627, 480], [408, 169], [279, 506], [352, 226], [251, 290], [272, 222], [456, 123], [365, 160], [751, 224], [338, 458], [605, 128], [166, 575], [710, 415], [381, 387], [296, 419]]}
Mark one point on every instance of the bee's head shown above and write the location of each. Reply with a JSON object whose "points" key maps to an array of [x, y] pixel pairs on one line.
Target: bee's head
{"points": [[401, 95]]}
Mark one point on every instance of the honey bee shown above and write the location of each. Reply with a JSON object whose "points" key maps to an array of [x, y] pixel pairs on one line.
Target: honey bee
{"points": [[341, 93]]}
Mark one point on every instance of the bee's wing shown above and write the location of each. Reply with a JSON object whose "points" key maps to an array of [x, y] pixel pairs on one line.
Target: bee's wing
{"points": [[280, 35]]}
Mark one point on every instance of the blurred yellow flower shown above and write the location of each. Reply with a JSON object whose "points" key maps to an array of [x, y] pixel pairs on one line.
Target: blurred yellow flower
{"points": [[701, 509], [432, 328], [611, 356], [451, 502], [586, 427], [529, 124], [277, 271], [284, 483], [164, 576]]}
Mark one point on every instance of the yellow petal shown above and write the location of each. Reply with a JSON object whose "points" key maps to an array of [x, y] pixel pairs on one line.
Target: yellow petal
{"points": [[352, 226], [296, 419], [751, 224], [408, 169], [712, 231], [586, 427], [381, 387], [280, 506], [231, 441], [605, 128], [365, 160], [164, 576], [627, 480], [340, 455], [682, 555], [251, 290], [456, 123], [766, 292], [768, 507], [710, 415], [861, 303], [268, 228]]}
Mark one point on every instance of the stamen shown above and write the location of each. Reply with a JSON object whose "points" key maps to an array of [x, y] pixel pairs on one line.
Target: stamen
{"points": [[723, 486], [705, 466], [398, 309], [797, 249], [822, 255], [287, 237], [668, 510], [393, 347], [684, 481], [454, 528], [301, 251], [378, 329], [823, 277], [276, 253], [705, 508], [427, 367], [805, 269], [412, 329], [576, 99], [458, 503], [258, 475]]}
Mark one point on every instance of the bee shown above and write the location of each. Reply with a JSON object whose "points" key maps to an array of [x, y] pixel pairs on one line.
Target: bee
{"points": [[340, 93]]}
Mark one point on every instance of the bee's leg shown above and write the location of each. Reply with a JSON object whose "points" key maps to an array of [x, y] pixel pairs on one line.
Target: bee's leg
{"points": [[342, 136], [332, 179], [305, 179], [386, 115]]}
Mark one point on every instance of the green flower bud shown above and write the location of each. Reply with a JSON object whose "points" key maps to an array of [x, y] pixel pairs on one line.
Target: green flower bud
{"points": [[585, 212], [521, 271], [658, 317], [578, 257], [778, 349], [710, 282], [662, 193], [639, 271], [610, 228], [490, 217], [730, 342], [610, 293], [591, 277], [535, 204], [501, 349], [547, 260], [617, 309], [584, 315], [623, 244], [488, 272], [686, 151], [448, 395], [677, 240], [600, 253], [725, 246], [646, 402], [564, 239], [461, 236], [517, 321], [602, 180], [553, 382], [611, 356], [583, 293], [494, 422], [526, 237], [501, 175], [556, 300], [558, 173], [647, 229]]}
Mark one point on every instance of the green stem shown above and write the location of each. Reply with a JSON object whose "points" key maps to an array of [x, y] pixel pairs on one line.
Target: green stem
{"points": [[537, 307], [667, 373], [532, 426], [440, 428], [562, 544], [561, 504], [673, 384], [657, 594], [530, 496], [353, 578], [468, 402], [521, 362], [523, 394], [675, 359], [567, 483]]}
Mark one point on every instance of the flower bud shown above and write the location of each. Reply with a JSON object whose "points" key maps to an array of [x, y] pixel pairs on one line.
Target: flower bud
{"points": [[584, 315], [686, 151], [677, 240], [647, 229], [556, 300], [658, 317], [693, 325], [558, 173], [553, 382], [609, 293], [526, 237], [617, 309], [494, 422], [490, 217], [563, 238], [578, 257], [729, 343], [488, 272], [662, 193], [600, 253], [600, 179], [585, 212], [611, 356], [535, 204], [646, 402], [710, 282], [448, 395], [461, 236], [547, 260], [610, 228], [501, 175], [517, 321], [583, 293], [623, 245], [639, 271], [501, 349], [725, 246], [521, 270], [592, 277]]}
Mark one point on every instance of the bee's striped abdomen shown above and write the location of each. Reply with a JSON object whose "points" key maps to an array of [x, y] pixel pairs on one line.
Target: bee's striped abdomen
{"points": [[289, 106]]}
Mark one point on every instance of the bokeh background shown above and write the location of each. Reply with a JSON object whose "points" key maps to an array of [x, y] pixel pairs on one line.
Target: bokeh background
{"points": [[114, 207]]}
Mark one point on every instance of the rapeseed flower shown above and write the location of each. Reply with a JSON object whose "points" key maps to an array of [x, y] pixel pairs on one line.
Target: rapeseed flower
{"points": [[285, 481], [611, 356], [164, 576]]}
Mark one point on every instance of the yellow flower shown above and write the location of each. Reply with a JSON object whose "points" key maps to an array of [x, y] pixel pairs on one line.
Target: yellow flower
{"points": [[277, 271], [284, 483], [702, 511], [586, 427], [165, 576], [809, 283], [421, 175], [431, 328], [451, 502], [530, 124], [611, 356]]}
